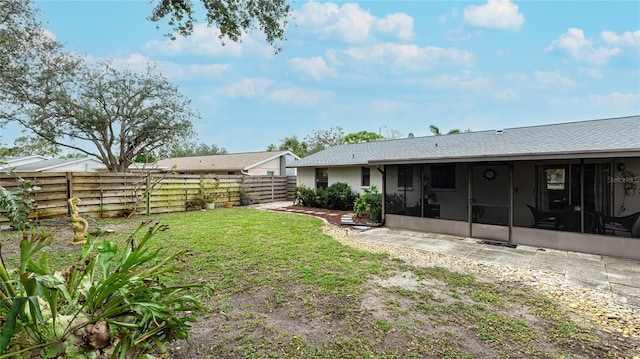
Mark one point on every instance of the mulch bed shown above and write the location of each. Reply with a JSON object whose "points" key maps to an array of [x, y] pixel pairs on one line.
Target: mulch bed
{"points": [[330, 215]]}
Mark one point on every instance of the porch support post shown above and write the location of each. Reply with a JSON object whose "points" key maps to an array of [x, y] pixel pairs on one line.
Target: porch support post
{"points": [[469, 201], [511, 186], [384, 192], [581, 195]]}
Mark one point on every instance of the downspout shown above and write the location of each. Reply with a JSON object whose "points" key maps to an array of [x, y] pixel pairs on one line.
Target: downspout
{"points": [[384, 191]]}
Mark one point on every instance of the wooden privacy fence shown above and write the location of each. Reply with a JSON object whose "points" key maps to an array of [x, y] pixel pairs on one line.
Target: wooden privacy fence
{"points": [[105, 194]]}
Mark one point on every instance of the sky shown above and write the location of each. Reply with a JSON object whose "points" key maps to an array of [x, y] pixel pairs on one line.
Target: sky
{"points": [[390, 67]]}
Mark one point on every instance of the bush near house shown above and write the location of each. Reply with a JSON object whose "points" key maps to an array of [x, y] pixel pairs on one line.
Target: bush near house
{"points": [[338, 196], [370, 203]]}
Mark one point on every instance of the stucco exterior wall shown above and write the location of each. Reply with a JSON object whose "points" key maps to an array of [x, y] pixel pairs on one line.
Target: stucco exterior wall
{"points": [[306, 177], [263, 169], [353, 177], [348, 175]]}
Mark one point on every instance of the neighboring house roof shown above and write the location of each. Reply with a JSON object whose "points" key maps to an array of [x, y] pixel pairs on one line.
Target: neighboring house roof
{"points": [[596, 138], [58, 164], [11, 162], [228, 162]]}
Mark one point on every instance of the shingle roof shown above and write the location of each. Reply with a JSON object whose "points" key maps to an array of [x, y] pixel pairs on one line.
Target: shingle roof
{"points": [[595, 138], [228, 162], [49, 164]]}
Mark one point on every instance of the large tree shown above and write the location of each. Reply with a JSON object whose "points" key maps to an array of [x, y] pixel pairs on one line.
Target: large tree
{"points": [[189, 149], [362, 136], [299, 148], [28, 52], [319, 140], [231, 17], [26, 145], [113, 115], [436, 130]]}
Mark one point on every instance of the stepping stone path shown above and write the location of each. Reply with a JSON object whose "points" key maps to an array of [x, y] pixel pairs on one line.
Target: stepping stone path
{"points": [[347, 220]]}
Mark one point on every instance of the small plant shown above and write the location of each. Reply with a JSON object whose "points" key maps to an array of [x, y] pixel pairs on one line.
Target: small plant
{"points": [[111, 303], [370, 203], [245, 197], [17, 203], [207, 195]]}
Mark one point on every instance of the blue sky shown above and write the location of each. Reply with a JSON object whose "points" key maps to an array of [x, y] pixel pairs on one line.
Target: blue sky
{"points": [[380, 65]]}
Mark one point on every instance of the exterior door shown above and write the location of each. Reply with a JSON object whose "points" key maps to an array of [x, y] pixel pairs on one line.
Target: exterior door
{"points": [[490, 198]]}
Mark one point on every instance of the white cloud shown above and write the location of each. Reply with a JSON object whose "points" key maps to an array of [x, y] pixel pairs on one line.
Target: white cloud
{"points": [[495, 14], [400, 57], [298, 96], [591, 72], [314, 67], [628, 38], [553, 79], [205, 41], [458, 35], [444, 18], [464, 81], [398, 24], [247, 88], [350, 23], [617, 99], [581, 48]]}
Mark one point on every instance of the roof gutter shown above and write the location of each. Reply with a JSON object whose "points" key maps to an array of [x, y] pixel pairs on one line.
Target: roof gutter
{"points": [[519, 157]]}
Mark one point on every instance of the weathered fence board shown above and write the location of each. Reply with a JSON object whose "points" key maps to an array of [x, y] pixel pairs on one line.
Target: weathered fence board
{"points": [[105, 195]]}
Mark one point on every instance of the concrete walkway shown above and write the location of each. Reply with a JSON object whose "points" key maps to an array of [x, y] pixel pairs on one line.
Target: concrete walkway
{"points": [[619, 276]]}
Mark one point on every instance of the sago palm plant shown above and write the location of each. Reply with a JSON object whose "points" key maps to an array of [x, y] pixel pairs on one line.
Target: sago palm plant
{"points": [[111, 304]]}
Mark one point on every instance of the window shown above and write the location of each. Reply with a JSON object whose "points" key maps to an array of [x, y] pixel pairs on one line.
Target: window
{"points": [[322, 177], [405, 177], [366, 177], [270, 173], [443, 176]]}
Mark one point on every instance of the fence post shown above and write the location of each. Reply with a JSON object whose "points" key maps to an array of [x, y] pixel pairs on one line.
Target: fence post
{"points": [[101, 196], [69, 189], [148, 189]]}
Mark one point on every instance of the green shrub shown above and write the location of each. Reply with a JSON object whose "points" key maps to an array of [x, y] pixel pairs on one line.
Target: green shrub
{"points": [[338, 196], [110, 303], [306, 196], [370, 203]]}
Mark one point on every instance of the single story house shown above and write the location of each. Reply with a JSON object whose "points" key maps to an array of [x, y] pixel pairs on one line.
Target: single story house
{"points": [[43, 164], [11, 162], [267, 163], [571, 186]]}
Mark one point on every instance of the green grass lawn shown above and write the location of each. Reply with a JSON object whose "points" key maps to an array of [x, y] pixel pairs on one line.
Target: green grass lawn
{"points": [[283, 289]]}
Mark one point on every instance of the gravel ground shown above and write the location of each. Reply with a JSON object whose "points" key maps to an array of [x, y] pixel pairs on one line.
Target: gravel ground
{"points": [[591, 306]]}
